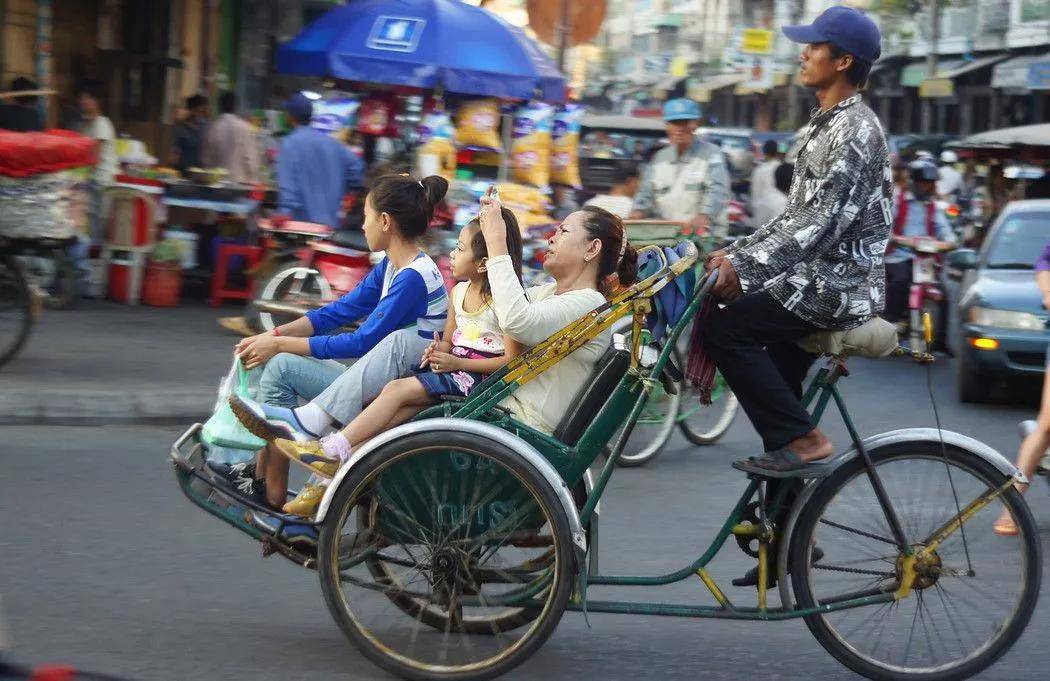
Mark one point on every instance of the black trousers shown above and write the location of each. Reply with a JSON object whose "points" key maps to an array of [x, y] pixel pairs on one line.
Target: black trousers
{"points": [[752, 342], [898, 286]]}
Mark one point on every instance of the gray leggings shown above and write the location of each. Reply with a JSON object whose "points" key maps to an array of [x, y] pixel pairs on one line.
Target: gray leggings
{"points": [[340, 390]]}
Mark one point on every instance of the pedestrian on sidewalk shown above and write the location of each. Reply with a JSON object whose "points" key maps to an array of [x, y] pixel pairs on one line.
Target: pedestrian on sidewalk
{"points": [[620, 198], [819, 265], [20, 114], [98, 127], [686, 180], [189, 134], [762, 182], [230, 143], [314, 171], [403, 304]]}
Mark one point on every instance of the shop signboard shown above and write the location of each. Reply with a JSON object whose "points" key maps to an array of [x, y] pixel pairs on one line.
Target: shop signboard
{"points": [[934, 88], [756, 41]]}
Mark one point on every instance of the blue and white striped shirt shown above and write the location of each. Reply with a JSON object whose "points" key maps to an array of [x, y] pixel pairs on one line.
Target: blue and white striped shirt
{"points": [[392, 299]]}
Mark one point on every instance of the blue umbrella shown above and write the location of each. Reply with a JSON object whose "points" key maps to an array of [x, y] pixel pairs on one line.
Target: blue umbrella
{"points": [[424, 44]]}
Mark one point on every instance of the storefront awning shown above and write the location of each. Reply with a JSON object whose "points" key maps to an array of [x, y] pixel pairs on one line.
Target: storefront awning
{"points": [[943, 84], [912, 75], [1014, 73], [702, 91]]}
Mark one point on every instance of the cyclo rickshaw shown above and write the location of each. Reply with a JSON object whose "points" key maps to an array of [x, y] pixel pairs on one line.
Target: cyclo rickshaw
{"points": [[450, 547]]}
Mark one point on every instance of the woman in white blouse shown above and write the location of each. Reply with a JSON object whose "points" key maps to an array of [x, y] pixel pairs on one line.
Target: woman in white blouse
{"points": [[587, 249]]}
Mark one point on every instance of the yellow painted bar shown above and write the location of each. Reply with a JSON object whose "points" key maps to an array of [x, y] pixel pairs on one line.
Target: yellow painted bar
{"points": [[705, 577], [763, 574]]}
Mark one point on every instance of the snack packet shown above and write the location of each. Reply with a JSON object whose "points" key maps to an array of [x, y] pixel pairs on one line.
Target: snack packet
{"points": [[477, 124], [334, 116], [531, 147], [565, 157], [437, 154]]}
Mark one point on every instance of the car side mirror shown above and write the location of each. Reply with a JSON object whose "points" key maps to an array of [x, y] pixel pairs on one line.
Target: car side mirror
{"points": [[959, 261]]}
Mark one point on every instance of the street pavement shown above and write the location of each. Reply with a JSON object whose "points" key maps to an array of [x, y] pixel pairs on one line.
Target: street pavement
{"points": [[103, 563], [102, 362]]}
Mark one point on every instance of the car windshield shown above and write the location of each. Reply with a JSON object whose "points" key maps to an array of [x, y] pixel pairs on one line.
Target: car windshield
{"points": [[1019, 240]]}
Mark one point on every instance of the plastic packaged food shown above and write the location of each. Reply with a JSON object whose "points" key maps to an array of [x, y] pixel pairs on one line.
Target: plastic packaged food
{"points": [[477, 124], [377, 116], [531, 147], [436, 154], [565, 157]]}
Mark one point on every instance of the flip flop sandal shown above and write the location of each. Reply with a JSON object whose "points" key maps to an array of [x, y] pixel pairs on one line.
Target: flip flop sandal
{"points": [[782, 463], [1005, 528]]}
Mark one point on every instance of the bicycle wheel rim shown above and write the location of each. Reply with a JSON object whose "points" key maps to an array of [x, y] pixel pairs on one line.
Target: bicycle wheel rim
{"points": [[706, 424], [410, 642], [15, 309], [956, 623], [653, 428]]}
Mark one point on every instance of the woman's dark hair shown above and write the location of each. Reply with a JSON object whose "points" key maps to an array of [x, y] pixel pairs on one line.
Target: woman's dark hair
{"points": [[479, 249], [608, 228], [858, 71], [91, 88], [410, 202]]}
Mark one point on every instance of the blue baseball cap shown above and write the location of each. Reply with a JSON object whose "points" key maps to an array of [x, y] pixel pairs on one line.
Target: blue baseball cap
{"points": [[848, 29], [300, 107], [681, 109]]}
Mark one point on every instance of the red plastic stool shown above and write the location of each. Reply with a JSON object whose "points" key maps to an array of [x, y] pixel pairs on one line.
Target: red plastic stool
{"points": [[219, 290]]}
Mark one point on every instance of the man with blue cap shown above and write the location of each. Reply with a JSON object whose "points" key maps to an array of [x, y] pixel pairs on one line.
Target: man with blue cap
{"points": [[314, 171], [686, 180], [819, 264]]}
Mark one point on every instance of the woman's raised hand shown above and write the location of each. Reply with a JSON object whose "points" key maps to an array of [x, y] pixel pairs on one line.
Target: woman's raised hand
{"points": [[493, 227]]}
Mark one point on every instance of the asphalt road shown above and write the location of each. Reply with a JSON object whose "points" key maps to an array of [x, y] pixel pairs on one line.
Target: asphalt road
{"points": [[103, 563]]}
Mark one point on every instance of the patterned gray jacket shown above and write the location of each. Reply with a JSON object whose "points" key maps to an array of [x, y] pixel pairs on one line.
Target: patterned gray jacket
{"points": [[822, 258]]}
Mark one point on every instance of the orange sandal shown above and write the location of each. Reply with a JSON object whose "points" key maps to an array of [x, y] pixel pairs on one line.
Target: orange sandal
{"points": [[1005, 527]]}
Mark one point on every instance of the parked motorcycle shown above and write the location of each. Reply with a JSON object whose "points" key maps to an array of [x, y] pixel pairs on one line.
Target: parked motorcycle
{"points": [[308, 266]]}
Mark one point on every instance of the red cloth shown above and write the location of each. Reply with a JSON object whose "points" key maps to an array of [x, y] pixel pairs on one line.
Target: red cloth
{"points": [[34, 153], [700, 368], [53, 672]]}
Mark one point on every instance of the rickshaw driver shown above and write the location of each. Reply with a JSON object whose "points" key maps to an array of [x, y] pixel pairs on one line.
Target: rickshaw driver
{"points": [[819, 265], [687, 180]]}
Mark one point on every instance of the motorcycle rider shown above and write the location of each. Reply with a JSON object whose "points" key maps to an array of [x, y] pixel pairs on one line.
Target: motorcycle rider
{"points": [[687, 180], [915, 213], [950, 182]]}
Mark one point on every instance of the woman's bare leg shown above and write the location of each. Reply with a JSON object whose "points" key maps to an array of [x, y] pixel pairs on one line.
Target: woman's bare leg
{"points": [[273, 466], [396, 397], [1031, 452]]}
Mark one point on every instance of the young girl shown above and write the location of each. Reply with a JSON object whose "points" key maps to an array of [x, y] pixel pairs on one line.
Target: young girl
{"points": [[476, 346]]}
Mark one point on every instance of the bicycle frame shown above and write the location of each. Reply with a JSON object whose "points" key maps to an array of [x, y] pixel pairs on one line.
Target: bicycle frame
{"points": [[633, 391]]}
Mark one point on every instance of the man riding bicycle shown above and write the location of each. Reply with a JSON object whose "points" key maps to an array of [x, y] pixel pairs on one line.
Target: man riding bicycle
{"points": [[915, 214], [819, 265]]}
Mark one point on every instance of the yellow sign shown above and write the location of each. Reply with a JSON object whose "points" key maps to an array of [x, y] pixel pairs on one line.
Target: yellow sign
{"points": [[933, 88], [679, 67], [756, 41]]}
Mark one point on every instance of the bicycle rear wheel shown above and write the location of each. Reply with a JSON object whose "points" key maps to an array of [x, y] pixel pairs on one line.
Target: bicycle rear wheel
{"points": [[973, 596], [16, 308]]}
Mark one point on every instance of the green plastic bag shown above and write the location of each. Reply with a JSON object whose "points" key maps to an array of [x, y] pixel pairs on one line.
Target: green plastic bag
{"points": [[223, 429]]}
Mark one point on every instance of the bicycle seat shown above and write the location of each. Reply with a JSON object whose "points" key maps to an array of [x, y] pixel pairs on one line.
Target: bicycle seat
{"points": [[350, 238], [874, 338]]}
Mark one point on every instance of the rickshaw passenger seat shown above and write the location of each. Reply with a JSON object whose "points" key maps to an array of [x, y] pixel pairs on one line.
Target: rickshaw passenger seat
{"points": [[592, 396]]}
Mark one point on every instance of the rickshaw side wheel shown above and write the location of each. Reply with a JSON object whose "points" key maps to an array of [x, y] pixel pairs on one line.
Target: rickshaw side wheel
{"points": [[406, 618]]}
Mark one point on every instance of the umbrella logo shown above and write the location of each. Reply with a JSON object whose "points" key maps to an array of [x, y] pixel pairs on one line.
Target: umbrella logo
{"points": [[397, 34]]}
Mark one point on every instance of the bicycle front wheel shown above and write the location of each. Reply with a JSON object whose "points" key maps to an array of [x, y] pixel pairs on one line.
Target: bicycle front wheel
{"points": [[974, 593], [654, 426], [16, 313]]}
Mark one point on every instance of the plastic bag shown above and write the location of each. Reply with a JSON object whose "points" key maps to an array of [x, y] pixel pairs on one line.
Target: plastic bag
{"points": [[335, 117], [477, 124], [437, 154], [223, 429], [565, 156], [531, 147], [376, 116]]}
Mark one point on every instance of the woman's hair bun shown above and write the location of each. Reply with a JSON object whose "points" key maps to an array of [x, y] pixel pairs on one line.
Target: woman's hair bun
{"points": [[434, 189]]}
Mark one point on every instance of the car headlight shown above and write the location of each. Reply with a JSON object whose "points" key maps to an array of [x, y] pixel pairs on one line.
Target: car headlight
{"points": [[1006, 319]]}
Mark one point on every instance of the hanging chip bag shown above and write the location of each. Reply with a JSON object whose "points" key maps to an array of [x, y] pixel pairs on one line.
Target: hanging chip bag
{"points": [[531, 146], [477, 124], [565, 157], [437, 154]]}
